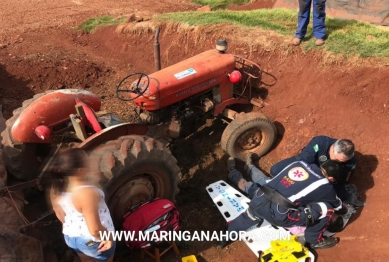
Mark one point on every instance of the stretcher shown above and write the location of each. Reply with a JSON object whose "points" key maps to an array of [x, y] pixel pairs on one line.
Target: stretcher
{"points": [[263, 240]]}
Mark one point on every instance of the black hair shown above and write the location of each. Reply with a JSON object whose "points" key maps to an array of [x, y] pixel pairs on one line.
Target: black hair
{"points": [[65, 165], [333, 169]]}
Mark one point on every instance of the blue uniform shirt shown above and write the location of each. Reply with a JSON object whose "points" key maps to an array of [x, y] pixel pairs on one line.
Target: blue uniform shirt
{"points": [[318, 151], [302, 184]]}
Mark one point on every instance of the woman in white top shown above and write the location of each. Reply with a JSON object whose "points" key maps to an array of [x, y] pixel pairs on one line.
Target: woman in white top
{"points": [[81, 207]]}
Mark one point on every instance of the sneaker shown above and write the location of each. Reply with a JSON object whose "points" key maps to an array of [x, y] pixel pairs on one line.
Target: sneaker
{"points": [[296, 41], [319, 42], [231, 163], [326, 243]]}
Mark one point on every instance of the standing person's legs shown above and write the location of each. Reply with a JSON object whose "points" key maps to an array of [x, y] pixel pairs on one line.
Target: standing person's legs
{"points": [[303, 20], [319, 16], [85, 258]]}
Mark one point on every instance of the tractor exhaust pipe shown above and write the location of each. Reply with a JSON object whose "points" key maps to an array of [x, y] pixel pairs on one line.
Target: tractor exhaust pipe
{"points": [[157, 55]]}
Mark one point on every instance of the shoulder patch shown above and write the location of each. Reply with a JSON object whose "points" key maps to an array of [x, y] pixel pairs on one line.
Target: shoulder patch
{"points": [[322, 158], [298, 174], [316, 148]]}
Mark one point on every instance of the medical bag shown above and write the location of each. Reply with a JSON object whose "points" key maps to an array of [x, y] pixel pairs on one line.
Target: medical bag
{"points": [[146, 221]]}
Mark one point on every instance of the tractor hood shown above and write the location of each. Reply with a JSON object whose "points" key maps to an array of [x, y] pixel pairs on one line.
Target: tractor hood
{"points": [[185, 79]]}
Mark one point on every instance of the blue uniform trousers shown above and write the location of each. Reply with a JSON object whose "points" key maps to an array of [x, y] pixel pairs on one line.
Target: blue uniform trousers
{"points": [[319, 15], [283, 218]]}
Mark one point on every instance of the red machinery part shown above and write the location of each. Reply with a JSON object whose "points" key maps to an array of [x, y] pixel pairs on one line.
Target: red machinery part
{"points": [[235, 77], [43, 132]]}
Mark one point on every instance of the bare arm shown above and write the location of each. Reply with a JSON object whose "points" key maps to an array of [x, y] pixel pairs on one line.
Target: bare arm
{"points": [[56, 207]]}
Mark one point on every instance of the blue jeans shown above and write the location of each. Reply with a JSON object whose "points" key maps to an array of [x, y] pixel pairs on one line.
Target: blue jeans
{"points": [[319, 17], [257, 176], [78, 244]]}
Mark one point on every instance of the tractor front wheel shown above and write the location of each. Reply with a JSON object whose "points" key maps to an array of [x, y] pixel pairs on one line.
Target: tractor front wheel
{"points": [[252, 132], [133, 169]]}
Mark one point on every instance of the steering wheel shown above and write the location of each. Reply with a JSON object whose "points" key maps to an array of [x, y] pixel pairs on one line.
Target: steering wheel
{"points": [[136, 88]]}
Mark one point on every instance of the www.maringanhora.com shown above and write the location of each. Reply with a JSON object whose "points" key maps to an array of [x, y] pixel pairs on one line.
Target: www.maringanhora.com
{"points": [[193, 236]]}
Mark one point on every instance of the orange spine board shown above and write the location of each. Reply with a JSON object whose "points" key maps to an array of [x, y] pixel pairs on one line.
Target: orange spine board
{"points": [[51, 110]]}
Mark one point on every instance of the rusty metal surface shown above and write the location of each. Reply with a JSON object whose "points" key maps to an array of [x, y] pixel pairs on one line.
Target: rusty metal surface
{"points": [[112, 133], [50, 110]]}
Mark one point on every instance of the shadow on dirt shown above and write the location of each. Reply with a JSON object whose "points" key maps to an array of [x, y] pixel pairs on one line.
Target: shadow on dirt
{"points": [[363, 179], [13, 91]]}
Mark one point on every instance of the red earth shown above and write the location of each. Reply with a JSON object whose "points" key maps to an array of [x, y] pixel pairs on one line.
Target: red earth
{"points": [[309, 93]]}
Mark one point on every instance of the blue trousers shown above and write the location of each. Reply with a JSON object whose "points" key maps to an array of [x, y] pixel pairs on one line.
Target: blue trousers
{"points": [[257, 176], [319, 16], [279, 216]]}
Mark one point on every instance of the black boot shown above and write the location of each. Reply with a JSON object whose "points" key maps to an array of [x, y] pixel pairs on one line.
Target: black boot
{"points": [[326, 243]]}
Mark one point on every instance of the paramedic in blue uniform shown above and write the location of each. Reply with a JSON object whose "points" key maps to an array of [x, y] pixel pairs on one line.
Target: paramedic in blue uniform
{"points": [[300, 195], [319, 150]]}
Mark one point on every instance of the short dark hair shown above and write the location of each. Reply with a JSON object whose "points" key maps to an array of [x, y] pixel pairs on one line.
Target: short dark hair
{"points": [[345, 147], [333, 169]]}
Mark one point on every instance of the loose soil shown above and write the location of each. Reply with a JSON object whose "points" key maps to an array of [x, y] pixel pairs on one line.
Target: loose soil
{"points": [[311, 95]]}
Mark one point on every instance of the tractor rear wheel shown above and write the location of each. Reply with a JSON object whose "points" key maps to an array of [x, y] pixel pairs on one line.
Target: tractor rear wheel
{"points": [[21, 160], [133, 169], [252, 132]]}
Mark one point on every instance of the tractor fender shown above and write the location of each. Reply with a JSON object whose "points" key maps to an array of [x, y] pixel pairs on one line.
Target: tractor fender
{"points": [[52, 110], [112, 133]]}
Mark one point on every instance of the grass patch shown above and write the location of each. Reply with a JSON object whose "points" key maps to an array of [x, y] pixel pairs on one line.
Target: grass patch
{"points": [[346, 37], [220, 4], [91, 24]]}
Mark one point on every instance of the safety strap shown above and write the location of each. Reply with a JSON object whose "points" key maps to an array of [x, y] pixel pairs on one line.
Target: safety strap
{"points": [[277, 198]]}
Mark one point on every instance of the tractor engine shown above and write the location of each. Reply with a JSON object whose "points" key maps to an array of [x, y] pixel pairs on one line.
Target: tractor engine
{"points": [[182, 118]]}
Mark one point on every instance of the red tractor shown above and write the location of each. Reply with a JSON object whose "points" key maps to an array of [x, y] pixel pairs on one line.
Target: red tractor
{"points": [[129, 164]]}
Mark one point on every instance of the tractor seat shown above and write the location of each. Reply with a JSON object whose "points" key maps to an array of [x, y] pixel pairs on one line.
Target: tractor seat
{"points": [[90, 117]]}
